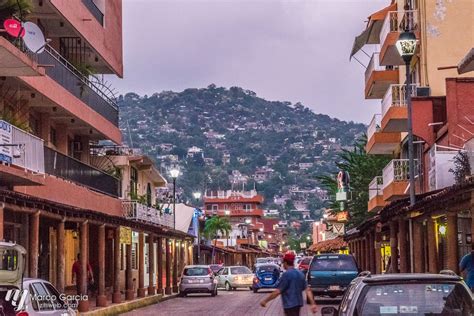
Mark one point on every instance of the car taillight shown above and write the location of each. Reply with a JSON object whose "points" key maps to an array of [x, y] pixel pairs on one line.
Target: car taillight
{"points": [[22, 313]]}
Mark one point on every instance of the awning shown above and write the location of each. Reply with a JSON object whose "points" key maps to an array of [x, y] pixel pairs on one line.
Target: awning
{"points": [[467, 63], [371, 35]]}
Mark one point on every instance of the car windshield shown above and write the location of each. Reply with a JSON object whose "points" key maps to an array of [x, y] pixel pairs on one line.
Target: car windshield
{"points": [[215, 267], [415, 298], [267, 268], [333, 263], [196, 271], [9, 259], [262, 260], [306, 261], [240, 270]]}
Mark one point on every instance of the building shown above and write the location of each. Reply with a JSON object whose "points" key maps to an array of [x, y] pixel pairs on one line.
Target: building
{"points": [[195, 152], [59, 197], [435, 232]]}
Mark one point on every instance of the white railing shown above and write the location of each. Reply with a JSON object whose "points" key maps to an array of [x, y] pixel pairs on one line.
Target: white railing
{"points": [[396, 96], [136, 211], [374, 125], [440, 163], [26, 150], [397, 170], [398, 21], [374, 65], [375, 187]]}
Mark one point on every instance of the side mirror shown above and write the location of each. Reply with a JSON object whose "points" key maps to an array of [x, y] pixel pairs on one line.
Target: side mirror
{"points": [[329, 311]]}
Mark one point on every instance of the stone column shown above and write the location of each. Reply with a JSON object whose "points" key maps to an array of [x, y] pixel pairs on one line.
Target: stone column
{"points": [[175, 266], [141, 265], [168, 267], [2, 210], [129, 292], [404, 246], [367, 252], [160, 265], [117, 296], [60, 258], [25, 239], [101, 296], [418, 258], [84, 250], [151, 263], [34, 244], [393, 246], [378, 255], [452, 241], [371, 249], [432, 247]]}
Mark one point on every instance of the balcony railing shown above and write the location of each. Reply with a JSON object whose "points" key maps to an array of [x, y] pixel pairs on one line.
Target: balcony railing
{"points": [[74, 170], [398, 21], [374, 125], [136, 211], [64, 73], [397, 170], [30, 149], [396, 96], [374, 65], [375, 187], [94, 10]]}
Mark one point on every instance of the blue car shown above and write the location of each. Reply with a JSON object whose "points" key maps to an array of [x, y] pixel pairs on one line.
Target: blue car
{"points": [[267, 276]]}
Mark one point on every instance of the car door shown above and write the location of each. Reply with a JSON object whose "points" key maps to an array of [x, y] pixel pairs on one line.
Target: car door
{"points": [[220, 277], [42, 303], [224, 276]]}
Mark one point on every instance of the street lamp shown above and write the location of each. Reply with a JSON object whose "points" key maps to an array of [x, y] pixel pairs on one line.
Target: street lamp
{"points": [[197, 195], [406, 46], [174, 174]]}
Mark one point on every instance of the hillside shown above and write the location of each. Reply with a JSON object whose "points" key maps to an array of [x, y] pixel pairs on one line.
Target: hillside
{"points": [[223, 137]]}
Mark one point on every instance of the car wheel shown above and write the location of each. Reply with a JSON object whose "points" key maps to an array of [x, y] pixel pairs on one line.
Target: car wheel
{"points": [[234, 289], [227, 286], [213, 293], [255, 290], [181, 294], [250, 288]]}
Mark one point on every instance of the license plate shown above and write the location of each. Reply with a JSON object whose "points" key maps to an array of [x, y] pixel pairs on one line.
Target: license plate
{"points": [[334, 288], [268, 279], [201, 281]]}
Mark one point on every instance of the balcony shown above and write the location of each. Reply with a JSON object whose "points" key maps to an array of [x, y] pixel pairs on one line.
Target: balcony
{"points": [[395, 22], [15, 61], [23, 151], [441, 160], [90, 93], [378, 142], [376, 201], [134, 210], [378, 78], [396, 179], [394, 108], [68, 168], [254, 212]]}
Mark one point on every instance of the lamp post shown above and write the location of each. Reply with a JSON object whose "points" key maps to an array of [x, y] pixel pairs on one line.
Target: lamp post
{"points": [[406, 46], [247, 222], [197, 196], [174, 174]]}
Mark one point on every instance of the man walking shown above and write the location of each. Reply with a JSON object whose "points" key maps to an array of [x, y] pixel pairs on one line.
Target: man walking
{"points": [[467, 264], [291, 287]]}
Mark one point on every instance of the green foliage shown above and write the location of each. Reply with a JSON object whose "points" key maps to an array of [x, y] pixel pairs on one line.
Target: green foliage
{"points": [[462, 167], [216, 225], [18, 8]]}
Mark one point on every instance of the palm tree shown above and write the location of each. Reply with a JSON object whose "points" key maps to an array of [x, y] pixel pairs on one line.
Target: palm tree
{"points": [[213, 227]]}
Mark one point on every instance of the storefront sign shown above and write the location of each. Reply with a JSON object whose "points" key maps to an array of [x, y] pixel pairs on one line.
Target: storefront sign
{"points": [[5, 141], [302, 245], [125, 235]]}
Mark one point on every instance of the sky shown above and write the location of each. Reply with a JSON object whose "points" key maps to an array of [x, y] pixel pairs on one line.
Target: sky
{"points": [[293, 50]]}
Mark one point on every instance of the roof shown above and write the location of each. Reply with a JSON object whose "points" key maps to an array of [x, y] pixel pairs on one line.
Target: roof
{"points": [[389, 277], [255, 199], [328, 245], [467, 63]]}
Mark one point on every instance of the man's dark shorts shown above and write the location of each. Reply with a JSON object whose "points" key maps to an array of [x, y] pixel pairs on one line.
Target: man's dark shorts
{"points": [[294, 311]]}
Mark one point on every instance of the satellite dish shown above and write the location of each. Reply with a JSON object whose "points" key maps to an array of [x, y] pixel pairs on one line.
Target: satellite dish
{"points": [[33, 38], [13, 27]]}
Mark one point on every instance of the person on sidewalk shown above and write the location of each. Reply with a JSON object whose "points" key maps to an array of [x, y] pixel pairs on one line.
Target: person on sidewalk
{"points": [[467, 264], [76, 275], [291, 287]]}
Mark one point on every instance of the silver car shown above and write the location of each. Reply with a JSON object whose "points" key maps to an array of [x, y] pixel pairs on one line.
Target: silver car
{"points": [[235, 277], [197, 279]]}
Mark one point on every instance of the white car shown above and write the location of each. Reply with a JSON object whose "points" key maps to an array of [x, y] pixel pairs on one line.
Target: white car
{"points": [[235, 277]]}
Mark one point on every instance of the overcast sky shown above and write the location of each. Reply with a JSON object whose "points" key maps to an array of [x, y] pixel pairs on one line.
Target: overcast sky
{"points": [[292, 50]]}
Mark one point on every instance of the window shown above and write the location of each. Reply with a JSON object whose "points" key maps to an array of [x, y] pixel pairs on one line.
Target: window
{"points": [[55, 297], [226, 271], [247, 207], [226, 207], [133, 183], [240, 270], [196, 271], [333, 263], [134, 256], [52, 136], [215, 207], [148, 194], [41, 298], [208, 207]]}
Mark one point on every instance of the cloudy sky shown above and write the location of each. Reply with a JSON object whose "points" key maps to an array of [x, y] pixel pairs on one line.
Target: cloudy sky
{"points": [[293, 50]]}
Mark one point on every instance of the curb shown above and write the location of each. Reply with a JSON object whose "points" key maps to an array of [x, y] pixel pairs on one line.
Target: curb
{"points": [[128, 306]]}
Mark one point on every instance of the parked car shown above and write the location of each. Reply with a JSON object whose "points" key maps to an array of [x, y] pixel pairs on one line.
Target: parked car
{"points": [[24, 296], [331, 274], [267, 276], [404, 293], [235, 277], [197, 279], [303, 266]]}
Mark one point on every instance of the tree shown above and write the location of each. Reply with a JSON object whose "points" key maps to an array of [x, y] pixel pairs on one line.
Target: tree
{"points": [[462, 167], [213, 227]]}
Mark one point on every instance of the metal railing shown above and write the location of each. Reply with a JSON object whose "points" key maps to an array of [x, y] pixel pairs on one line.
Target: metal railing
{"points": [[90, 5], [79, 85], [68, 168], [397, 170], [374, 125], [134, 210], [375, 187], [374, 65], [398, 21], [396, 96]]}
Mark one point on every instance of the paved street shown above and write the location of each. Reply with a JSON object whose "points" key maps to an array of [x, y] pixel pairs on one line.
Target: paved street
{"points": [[238, 303]]}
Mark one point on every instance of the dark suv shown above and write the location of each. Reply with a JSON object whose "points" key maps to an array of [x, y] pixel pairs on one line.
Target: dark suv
{"points": [[414, 294], [330, 274]]}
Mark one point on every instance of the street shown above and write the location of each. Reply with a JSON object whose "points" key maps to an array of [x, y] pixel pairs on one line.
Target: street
{"points": [[240, 302]]}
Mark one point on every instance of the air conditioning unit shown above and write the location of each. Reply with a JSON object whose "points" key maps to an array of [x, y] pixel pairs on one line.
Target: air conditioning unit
{"points": [[423, 91]]}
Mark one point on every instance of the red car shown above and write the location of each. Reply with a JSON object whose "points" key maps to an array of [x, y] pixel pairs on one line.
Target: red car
{"points": [[304, 264]]}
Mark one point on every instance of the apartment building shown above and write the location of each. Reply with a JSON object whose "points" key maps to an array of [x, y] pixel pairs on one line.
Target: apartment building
{"points": [[439, 225], [59, 198]]}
